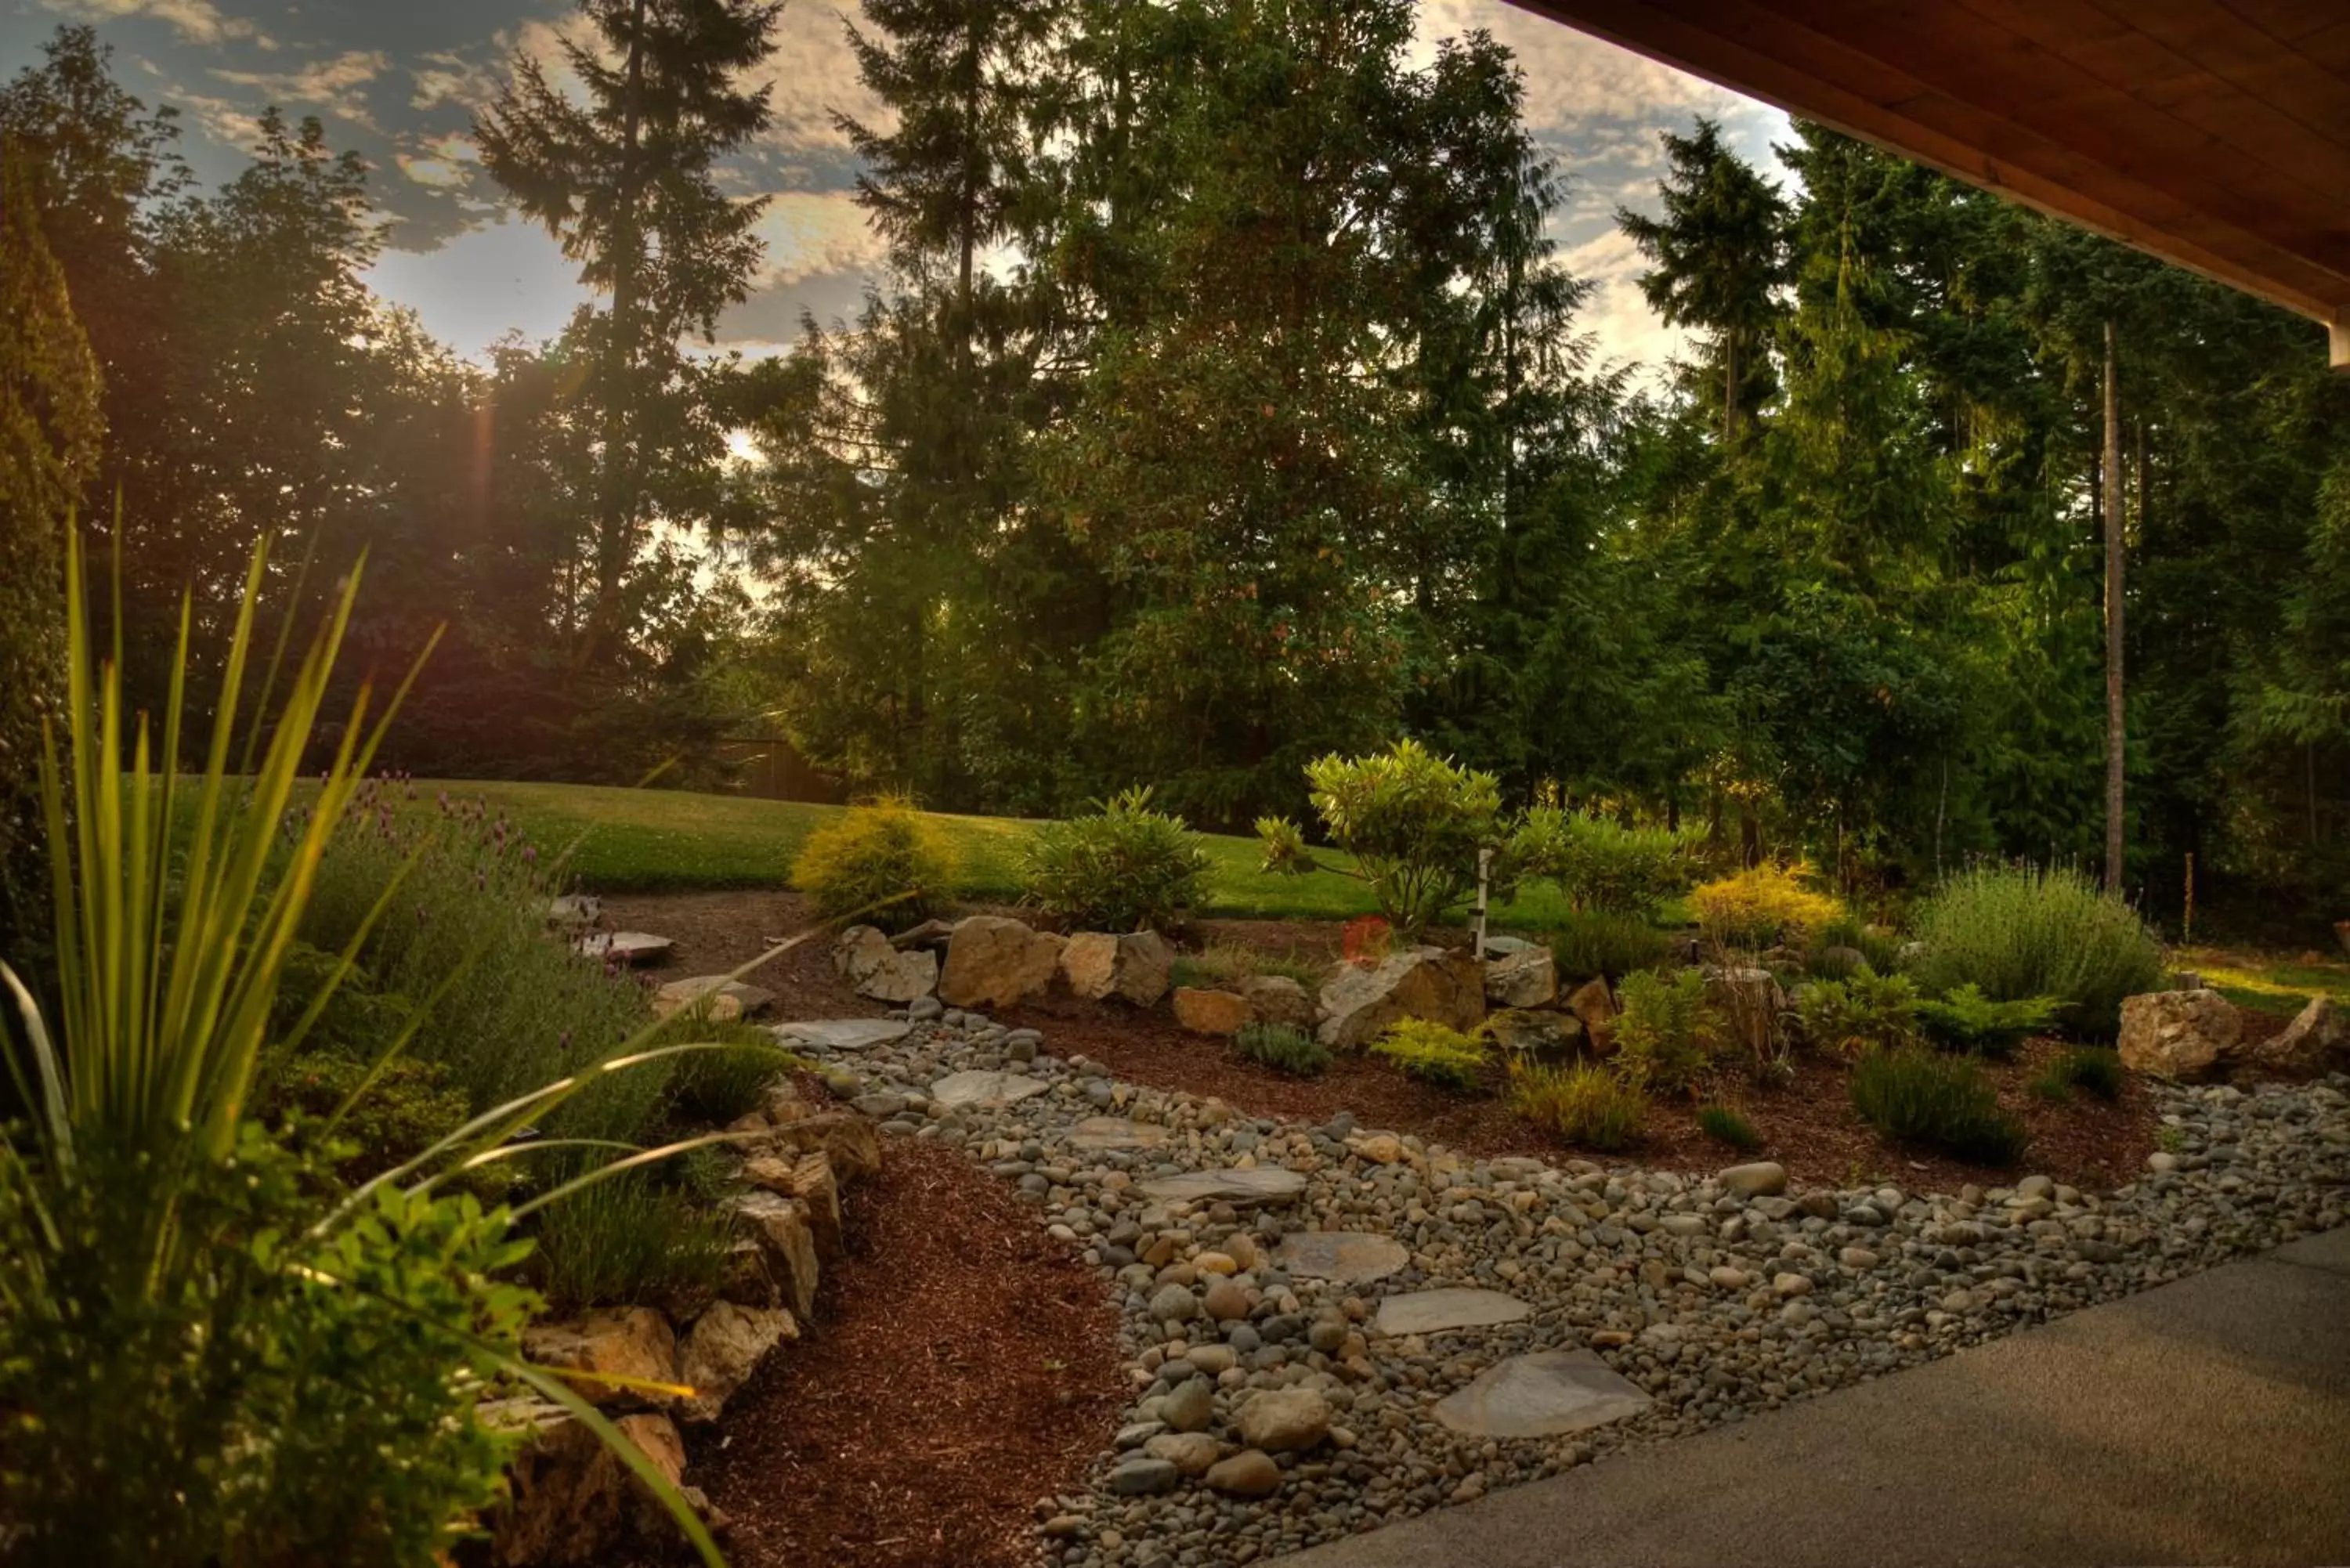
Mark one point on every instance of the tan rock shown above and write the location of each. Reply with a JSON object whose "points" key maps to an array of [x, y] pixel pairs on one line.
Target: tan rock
{"points": [[847, 1140], [1528, 979], [2180, 1034], [1191, 1453], [1594, 1005], [1284, 1420], [810, 1178], [992, 961], [571, 1500], [1251, 1472], [2316, 1041], [1211, 1011], [1278, 998], [722, 999], [1379, 1149], [633, 1343], [781, 1227], [876, 967], [721, 1350], [1537, 1037], [1447, 988], [1132, 966]]}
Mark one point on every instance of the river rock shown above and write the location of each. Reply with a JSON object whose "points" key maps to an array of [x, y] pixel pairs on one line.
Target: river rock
{"points": [[1284, 1420], [1251, 1472]]}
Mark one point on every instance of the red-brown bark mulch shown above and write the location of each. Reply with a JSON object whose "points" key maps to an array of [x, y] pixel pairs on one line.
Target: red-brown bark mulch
{"points": [[962, 1364]]}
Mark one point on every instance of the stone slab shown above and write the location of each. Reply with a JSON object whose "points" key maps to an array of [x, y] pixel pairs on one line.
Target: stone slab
{"points": [[958, 1090], [1106, 1132], [1546, 1395], [1349, 1257], [625, 946], [844, 1034], [1443, 1310], [1266, 1184], [681, 994]]}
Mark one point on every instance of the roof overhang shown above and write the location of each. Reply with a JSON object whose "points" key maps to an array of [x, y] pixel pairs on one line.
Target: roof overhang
{"points": [[2215, 135]]}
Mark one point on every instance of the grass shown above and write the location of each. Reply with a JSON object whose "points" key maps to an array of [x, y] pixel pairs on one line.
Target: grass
{"points": [[2266, 983], [671, 841]]}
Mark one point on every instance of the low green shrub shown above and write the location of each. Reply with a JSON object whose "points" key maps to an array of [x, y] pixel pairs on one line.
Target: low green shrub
{"points": [[711, 1088], [2020, 932], [409, 1106], [2094, 1068], [1868, 1011], [1967, 1019], [1726, 1127], [1411, 821], [1938, 1101], [1601, 866], [1583, 1104], [1121, 868], [635, 1239], [1667, 1034], [884, 862], [1224, 965], [1434, 1052], [1283, 1048], [1597, 942]]}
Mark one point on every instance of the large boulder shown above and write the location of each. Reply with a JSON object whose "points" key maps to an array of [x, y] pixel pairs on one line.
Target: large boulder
{"points": [[2180, 1034], [874, 966], [1133, 966], [569, 1498], [1524, 979], [631, 1344], [721, 1350], [2316, 1041], [1278, 998], [992, 961], [1538, 1037], [1211, 1011], [1358, 1003]]}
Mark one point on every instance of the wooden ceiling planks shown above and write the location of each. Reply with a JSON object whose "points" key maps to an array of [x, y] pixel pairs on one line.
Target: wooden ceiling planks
{"points": [[2213, 132]]}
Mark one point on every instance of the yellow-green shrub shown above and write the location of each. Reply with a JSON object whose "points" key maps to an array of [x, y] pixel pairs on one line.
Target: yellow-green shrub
{"points": [[1668, 1033], [1430, 1051], [1583, 1104], [1762, 904], [872, 855]]}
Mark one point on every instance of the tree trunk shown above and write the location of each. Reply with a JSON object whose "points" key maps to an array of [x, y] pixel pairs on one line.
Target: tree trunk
{"points": [[1728, 387], [2116, 753], [615, 504]]}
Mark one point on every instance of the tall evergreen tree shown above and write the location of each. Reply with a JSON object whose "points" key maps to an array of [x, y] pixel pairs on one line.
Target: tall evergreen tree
{"points": [[627, 182]]}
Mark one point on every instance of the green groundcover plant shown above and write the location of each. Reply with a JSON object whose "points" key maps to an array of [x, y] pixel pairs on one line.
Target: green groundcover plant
{"points": [[211, 1351]]}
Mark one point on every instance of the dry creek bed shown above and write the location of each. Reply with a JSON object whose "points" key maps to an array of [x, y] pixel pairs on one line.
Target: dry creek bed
{"points": [[1287, 1392]]}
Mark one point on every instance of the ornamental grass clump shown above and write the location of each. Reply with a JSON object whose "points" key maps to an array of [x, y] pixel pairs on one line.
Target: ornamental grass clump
{"points": [[884, 862], [1282, 1047], [2094, 1068], [1122, 868], [1938, 1101], [1600, 943], [1583, 1104], [2018, 932], [1434, 1054], [1727, 1127]]}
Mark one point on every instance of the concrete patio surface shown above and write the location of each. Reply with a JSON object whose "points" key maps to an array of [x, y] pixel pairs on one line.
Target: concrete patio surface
{"points": [[2206, 1421]]}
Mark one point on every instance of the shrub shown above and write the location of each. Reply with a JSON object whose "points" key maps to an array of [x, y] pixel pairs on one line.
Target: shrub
{"points": [[1412, 822], [1940, 1102], [1967, 1019], [1225, 964], [2090, 1068], [1122, 868], [711, 1088], [1761, 905], [1668, 1034], [1583, 1104], [1433, 1053], [1597, 942], [2019, 933], [884, 862], [1601, 866], [1282, 1048], [1867, 1013], [632, 1238], [410, 1105], [1726, 1127]]}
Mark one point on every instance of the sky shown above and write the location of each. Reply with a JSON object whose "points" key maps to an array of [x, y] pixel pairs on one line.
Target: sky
{"points": [[399, 82]]}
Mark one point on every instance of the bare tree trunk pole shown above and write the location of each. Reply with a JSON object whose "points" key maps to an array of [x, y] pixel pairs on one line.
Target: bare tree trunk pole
{"points": [[2116, 749]]}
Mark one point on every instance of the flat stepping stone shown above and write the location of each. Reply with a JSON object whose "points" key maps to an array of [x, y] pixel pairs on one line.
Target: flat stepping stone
{"points": [[845, 1034], [1442, 1310], [1104, 1133], [957, 1090], [1547, 1393], [1266, 1184], [1349, 1257], [624, 947], [678, 996]]}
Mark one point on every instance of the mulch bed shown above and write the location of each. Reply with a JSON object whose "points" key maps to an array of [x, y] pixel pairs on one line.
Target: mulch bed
{"points": [[963, 1365], [1807, 1125]]}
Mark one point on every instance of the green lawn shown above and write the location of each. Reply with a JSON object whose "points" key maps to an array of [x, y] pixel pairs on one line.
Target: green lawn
{"points": [[654, 840], [2265, 981]]}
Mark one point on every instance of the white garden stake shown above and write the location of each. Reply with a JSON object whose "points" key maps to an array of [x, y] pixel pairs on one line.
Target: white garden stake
{"points": [[1484, 869]]}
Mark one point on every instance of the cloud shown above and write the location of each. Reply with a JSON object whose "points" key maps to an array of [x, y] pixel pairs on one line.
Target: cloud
{"points": [[333, 85], [812, 75], [196, 19], [507, 275], [447, 163], [1617, 314], [811, 232]]}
